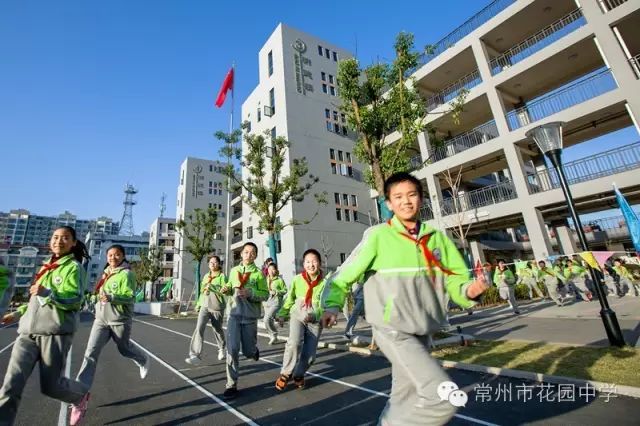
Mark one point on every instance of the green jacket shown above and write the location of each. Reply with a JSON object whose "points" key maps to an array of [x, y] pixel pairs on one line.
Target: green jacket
{"points": [[215, 300], [503, 278], [575, 272], [249, 308], [623, 272], [294, 301], [277, 289], [57, 311], [525, 273], [119, 288], [549, 275], [401, 291]]}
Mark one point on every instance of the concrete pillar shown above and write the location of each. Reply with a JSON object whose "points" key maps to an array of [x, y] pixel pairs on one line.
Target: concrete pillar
{"points": [[435, 194], [537, 232], [614, 55], [515, 163], [477, 251], [495, 100], [512, 233], [424, 144], [566, 241]]}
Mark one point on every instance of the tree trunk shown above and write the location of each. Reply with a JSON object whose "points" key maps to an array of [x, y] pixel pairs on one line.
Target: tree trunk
{"points": [[385, 213], [272, 247], [196, 284]]}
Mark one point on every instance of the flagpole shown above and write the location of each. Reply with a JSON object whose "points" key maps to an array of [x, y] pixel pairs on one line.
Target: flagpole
{"points": [[228, 257]]}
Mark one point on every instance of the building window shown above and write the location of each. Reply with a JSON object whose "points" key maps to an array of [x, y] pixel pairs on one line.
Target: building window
{"points": [[249, 232], [327, 113], [259, 113], [323, 76], [335, 115], [248, 126], [336, 197], [335, 56], [272, 100], [319, 50], [339, 214], [273, 133], [347, 215], [354, 200], [332, 153], [334, 169], [348, 157], [355, 215], [210, 168], [330, 78], [329, 127], [270, 62], [332, 90], [336, 127], [345, 199], [326, 53], [324, 88], [340, 158], [345, 132], [343, 118], [210, 191]]}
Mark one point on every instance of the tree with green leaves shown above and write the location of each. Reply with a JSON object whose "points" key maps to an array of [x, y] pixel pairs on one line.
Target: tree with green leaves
{"points": [[382, 99], [199, 230], [149, 267], [271, 182]]}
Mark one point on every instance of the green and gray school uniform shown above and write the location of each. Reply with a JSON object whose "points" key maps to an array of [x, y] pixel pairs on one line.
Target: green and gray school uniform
{"points": [[627, 279], [549, 277], [404, 278], [113, 320], [528, 277], [505, 281], [578, 278], [304, 334], [45, 334], [211, 308], [277, 291], [242, 325]]}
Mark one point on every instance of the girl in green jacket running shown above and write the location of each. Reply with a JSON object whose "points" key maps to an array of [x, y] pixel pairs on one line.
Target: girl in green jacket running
{"points": [[277, 290], [47, 325], [626, 278]]}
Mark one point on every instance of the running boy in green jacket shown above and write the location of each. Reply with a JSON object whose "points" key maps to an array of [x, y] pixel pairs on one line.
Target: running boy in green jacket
{"points": [[248, 288], [407, 265]]}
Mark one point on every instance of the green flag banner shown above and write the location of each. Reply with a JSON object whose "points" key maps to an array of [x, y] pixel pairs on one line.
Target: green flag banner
{"points": [[166, 288]]}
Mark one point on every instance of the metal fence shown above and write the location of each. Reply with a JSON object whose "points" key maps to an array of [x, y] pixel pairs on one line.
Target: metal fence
{"points": [[236, 216], [474, 137], [573, 94], [486, 196], [451, 91], [635, 65], [416, 162], [606, 163], [607, 5], [538, 41]]}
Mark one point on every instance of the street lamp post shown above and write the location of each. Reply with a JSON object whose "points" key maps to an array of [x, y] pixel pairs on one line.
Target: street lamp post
{"points": [[548, 137]]}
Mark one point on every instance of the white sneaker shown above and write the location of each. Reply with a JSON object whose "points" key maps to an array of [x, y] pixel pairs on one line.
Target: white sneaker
{"points": [[221, 354], [144, 368], [192, 360], [273, 339]]}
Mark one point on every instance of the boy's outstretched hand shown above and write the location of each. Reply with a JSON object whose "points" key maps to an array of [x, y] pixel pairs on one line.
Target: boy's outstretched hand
{"points": [[328, 319], [478, 287]]}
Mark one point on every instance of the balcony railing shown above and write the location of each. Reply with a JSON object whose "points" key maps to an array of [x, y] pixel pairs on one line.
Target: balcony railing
{"points": [[474, 137], [635, 65], [236, 239], [236, 194], [561, 99], [426, 211], [606, 163], [608, 5], [236, 216], [463, 30], [486, 196], [416, 162], [451, 91], [538, 41]]}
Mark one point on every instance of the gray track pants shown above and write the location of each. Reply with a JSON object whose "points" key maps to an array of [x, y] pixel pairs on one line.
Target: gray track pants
{"points": [[415, 377], [100, 335], [300, 350], [240, 333], [507, 293], [271, 309], [51, 353], [216, 318], [580, 289], [532, 285], [556, 295], [358, 310]]}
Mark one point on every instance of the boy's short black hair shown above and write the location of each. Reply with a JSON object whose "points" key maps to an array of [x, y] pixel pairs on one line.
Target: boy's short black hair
{"points": [[396, 178], [249, 243]]}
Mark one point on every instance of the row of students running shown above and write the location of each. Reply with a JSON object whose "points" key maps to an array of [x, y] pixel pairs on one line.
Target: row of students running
{"points": [[405, 266], [50, 319]]}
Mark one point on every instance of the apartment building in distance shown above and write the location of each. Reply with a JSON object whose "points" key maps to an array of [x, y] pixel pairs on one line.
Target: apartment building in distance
{"points": [[297, 97], [525, 63], [162, 234], [202, 186]]}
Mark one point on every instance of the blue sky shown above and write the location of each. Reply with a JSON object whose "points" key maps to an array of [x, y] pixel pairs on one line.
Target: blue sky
{"points": [[97, 94]]}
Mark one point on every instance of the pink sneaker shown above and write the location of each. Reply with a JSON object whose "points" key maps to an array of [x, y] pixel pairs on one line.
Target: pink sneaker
{"points": [[78, 411]]}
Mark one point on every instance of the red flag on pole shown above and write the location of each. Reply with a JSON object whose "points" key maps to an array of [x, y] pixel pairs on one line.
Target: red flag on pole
{"points": [[226, 85]]}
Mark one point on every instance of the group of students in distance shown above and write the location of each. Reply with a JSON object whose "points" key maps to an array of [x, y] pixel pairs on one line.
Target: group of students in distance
{"points": [[406, 267]]}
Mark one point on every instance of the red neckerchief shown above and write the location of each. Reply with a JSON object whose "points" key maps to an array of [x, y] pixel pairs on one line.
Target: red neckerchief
{"points": [[430, 260], [46, 268], [310, 285], [243, 278], [103, 280]]}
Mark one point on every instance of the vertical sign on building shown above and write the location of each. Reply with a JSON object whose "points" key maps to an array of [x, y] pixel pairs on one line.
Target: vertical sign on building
{"points": [[299, 62]]}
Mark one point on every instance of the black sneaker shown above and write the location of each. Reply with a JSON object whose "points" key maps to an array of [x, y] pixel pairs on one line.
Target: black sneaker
{"points": [[230, 393], [256, 356]]}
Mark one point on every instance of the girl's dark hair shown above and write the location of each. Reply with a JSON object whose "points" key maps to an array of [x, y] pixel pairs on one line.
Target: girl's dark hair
{"points": [[120, 249], [216, 257], [314, 252], [79, 250], [274, 265]]}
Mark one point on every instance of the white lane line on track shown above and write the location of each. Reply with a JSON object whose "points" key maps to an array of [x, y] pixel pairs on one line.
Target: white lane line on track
{"points": [[7, 347], [217, 400], [64, 411], [341, 382]]}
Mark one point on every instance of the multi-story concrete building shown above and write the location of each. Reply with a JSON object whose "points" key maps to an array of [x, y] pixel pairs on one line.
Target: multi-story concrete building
{"points": [[22, 227], [24, 262], [297, 98], [98, 243], [202, 186], [525, 63], [162, 234]]}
